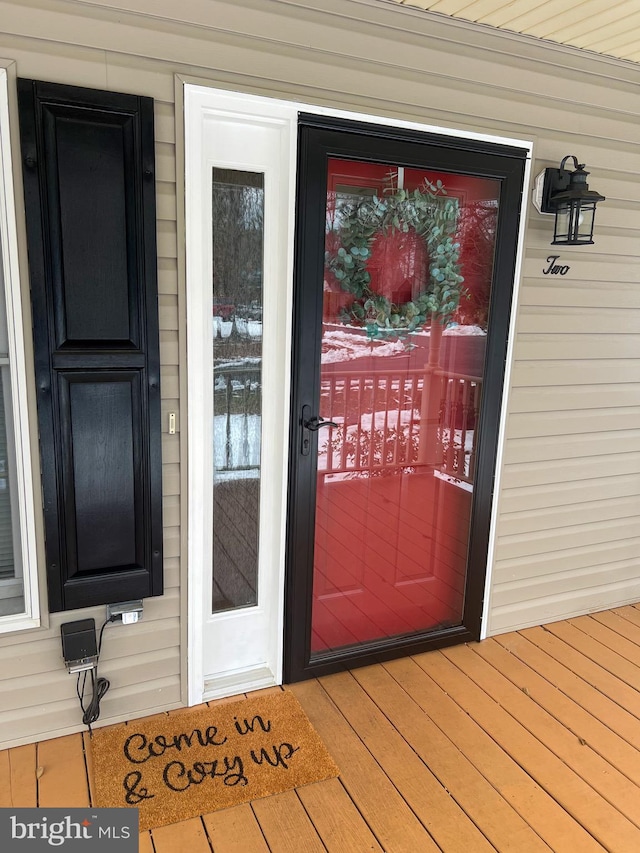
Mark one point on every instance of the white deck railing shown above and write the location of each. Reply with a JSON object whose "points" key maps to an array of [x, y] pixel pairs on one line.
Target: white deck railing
{"points": [[399, 419], [385, 420]]}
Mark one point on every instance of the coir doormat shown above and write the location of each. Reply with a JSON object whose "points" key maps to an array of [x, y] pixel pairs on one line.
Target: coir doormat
{"points": [[179, 766]]}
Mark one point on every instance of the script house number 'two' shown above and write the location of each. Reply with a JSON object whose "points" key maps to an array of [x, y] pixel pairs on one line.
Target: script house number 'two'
{"points": [[554, 268]]}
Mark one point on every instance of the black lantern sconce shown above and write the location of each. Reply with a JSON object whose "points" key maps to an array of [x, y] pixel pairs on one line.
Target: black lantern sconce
{"points": [[567, 194]]}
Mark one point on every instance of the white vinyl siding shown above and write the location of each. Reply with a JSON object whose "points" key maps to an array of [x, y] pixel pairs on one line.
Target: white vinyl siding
{"points": [[566, 533]]}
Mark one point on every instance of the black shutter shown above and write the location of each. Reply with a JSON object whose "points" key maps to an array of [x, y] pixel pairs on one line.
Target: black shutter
{"points": [[88, 166]]}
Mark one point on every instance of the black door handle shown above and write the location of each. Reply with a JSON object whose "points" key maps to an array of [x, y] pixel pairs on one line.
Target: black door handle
{"points": [[315, 423], [311, 424]]}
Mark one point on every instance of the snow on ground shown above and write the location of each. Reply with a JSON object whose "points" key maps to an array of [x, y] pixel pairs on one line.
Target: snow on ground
{"points": [[344, 345], [455, 329], [348, 343], [245, 328], [244, 440]]}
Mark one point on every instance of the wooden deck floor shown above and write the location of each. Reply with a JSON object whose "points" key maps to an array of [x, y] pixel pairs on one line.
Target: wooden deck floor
{"points": [[526, 742]]}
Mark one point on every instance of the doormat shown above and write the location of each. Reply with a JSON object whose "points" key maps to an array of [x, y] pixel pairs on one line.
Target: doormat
{"points": [[176, 767]]}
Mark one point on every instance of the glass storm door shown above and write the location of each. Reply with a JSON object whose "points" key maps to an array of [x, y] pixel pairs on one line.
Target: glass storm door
{"points": [[405, 258]]}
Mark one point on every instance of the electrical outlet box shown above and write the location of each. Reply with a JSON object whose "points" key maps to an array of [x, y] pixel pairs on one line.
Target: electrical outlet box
{"points": [[79, 646], [126, 612]]}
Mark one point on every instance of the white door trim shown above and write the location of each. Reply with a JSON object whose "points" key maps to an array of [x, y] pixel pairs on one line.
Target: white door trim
{"points": [[207, 113], [199, 98]]}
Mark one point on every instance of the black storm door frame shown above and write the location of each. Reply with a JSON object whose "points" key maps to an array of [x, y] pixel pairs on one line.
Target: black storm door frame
{"points": [[322, 138]]}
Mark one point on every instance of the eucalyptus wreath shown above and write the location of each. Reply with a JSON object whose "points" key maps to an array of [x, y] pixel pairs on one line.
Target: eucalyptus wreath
{"points": [[434, 217]]}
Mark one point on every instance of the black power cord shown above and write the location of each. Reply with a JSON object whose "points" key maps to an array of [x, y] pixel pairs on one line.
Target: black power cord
{"points": [[99, 687]]}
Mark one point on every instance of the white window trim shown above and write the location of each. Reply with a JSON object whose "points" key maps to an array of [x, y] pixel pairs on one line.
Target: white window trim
{"points": [[19, 423]]}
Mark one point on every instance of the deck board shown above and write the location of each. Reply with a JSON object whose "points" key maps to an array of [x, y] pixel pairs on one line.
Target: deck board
{"points": [[608, 637], [374, 794], [591, 671], [528, 741], [543, 814], [473, 816], [6, 799], [188, 835], [611, 661], [235, 830], [337, 821], [561, 678], [145, 844], [24, 782], [568, 747], [629, 614], [286, 825], [561, 782], [63, 782], [583, 726], [411, 775], [617, 622]]}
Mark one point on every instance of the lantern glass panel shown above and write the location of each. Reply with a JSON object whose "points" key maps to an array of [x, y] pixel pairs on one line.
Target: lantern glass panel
{"points": [[563, 224], [584, 232], [574, 223]]}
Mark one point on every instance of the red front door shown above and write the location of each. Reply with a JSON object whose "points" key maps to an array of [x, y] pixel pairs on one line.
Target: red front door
{"points": [[388, 442], [395, 476]]}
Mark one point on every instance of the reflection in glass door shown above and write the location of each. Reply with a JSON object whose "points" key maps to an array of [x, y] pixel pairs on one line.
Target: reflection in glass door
{"points": [[405, 259], [407, 280], [238, 215]]}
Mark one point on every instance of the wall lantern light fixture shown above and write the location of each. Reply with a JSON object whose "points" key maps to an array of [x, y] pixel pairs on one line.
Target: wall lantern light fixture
{"points": [[567, 194]]}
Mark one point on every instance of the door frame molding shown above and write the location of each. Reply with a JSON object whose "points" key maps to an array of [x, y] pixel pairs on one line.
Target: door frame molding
{"points": [[197, 566], [202, 106]]}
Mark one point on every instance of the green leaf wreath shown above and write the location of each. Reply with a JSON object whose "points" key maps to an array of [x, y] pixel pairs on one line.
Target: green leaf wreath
{"points": [[434, 216]]}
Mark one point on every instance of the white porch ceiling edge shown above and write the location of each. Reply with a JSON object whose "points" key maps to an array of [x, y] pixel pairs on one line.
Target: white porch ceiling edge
{"points": [[610, 27]]}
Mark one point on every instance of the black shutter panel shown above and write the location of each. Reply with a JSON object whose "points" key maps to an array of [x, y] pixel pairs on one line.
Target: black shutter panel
{"points": [[88, 166]]}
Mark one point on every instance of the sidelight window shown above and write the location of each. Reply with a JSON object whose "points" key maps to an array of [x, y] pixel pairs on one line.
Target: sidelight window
{"points": [[238, 225]]}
